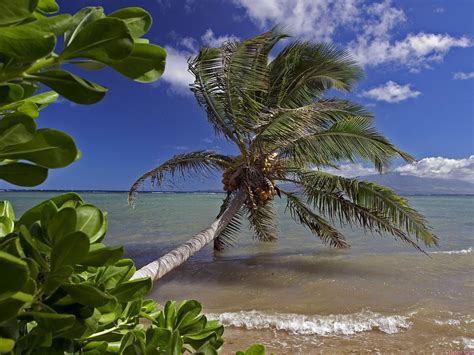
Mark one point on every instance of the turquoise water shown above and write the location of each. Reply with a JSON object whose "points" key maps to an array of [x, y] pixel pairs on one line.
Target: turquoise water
{"points": [[378, 294]]}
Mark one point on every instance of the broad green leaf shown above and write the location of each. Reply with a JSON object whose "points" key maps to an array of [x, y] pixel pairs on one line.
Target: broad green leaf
{"points": [[52, 322], [23, 174], [6, 226], [121, 271], [48, 6], [69, 250], [55, 24], [71, 86], [145, 64], [28, 108], [9, 308], [34, 248], [6, 345], [100, 255], [10, 93], [6, 210], [15, 11], [132, 290], [103, 40], [16, 129], [91, 221], [62, 224], [26, 43], [49, 148], [255, 349], [56, 278], [80, 19], [38, 101], [137, 19], [14, 275], [87, 294], [34, 214]]}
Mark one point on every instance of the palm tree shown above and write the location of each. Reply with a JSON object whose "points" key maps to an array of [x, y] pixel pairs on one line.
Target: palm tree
{"points": [[287, 133]]}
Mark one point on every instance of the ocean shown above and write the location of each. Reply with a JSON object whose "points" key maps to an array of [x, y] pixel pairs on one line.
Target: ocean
{"points": [[297, 296]]}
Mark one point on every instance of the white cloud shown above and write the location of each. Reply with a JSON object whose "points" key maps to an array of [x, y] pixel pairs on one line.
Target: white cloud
{"points": [[439, 167], [315, 19], [209, 39], [372, 25], [432, 167], [189, 43], [176, 72], [463, 76], [391, 92], [439, 10], [351, 170]]}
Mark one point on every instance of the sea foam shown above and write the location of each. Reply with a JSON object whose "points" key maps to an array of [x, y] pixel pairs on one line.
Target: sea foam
{"points": [[462, 251], [327, 325]]}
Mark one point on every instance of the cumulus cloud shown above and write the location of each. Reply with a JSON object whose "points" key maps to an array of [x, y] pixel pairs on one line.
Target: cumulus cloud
{"points": [[391, 92], [463, 76], [317, 20], [351, 170], [439, 167], [372, 24], [176, 73], [416, 51], [209, 39], [432, 167]]}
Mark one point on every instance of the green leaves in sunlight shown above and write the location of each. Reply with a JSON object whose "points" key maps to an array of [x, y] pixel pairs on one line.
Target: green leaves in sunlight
{"points": [[137, 20], [145, 64], [103, 40], [71, 86], [29, 34], [16, 11], [62, 290]]}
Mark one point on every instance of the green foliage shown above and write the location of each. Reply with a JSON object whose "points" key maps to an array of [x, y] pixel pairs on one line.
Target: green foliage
{"points": [[62, 290], [29, 36]]}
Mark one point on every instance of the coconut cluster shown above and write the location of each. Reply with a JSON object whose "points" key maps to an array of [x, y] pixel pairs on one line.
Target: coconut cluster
{"points": [[258, 179]]}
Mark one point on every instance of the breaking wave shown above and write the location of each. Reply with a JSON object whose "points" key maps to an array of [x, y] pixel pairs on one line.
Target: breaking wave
{"points": [[340, 324], [462, 251]]}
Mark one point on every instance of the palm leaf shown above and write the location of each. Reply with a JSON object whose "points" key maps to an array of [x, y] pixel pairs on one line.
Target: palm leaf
{"points": [[351, 139], [262, 220], [303, 71], [195, 162], [375, 197], [230, 233], [316, 224]]}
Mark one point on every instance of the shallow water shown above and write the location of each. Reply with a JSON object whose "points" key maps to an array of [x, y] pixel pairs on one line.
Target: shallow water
{"points": [[297, 296]]}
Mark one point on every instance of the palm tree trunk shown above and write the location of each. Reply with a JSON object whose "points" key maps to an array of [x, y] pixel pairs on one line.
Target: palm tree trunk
{"points": [[178, 256]]}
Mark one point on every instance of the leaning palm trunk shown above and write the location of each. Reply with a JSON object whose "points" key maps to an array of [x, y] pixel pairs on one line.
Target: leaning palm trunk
{"points": [[287, 132], [158, 268]]}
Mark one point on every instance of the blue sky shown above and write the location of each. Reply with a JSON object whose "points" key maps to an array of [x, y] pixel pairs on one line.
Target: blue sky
{"points": [[418, 56]]}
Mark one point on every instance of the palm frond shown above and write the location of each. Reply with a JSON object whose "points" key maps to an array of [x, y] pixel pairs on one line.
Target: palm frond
{"points": [[369, 205], [262, 221], [195, 162], [286, 125], [303, 71], [375, 197], [316, 224], [208, 89], [230, 82], [230, 233], [351, 139]]}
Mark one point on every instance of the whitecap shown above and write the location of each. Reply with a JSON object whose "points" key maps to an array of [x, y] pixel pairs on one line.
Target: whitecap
{"points": [[462, 251], [328, 325], [468, 343]]}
